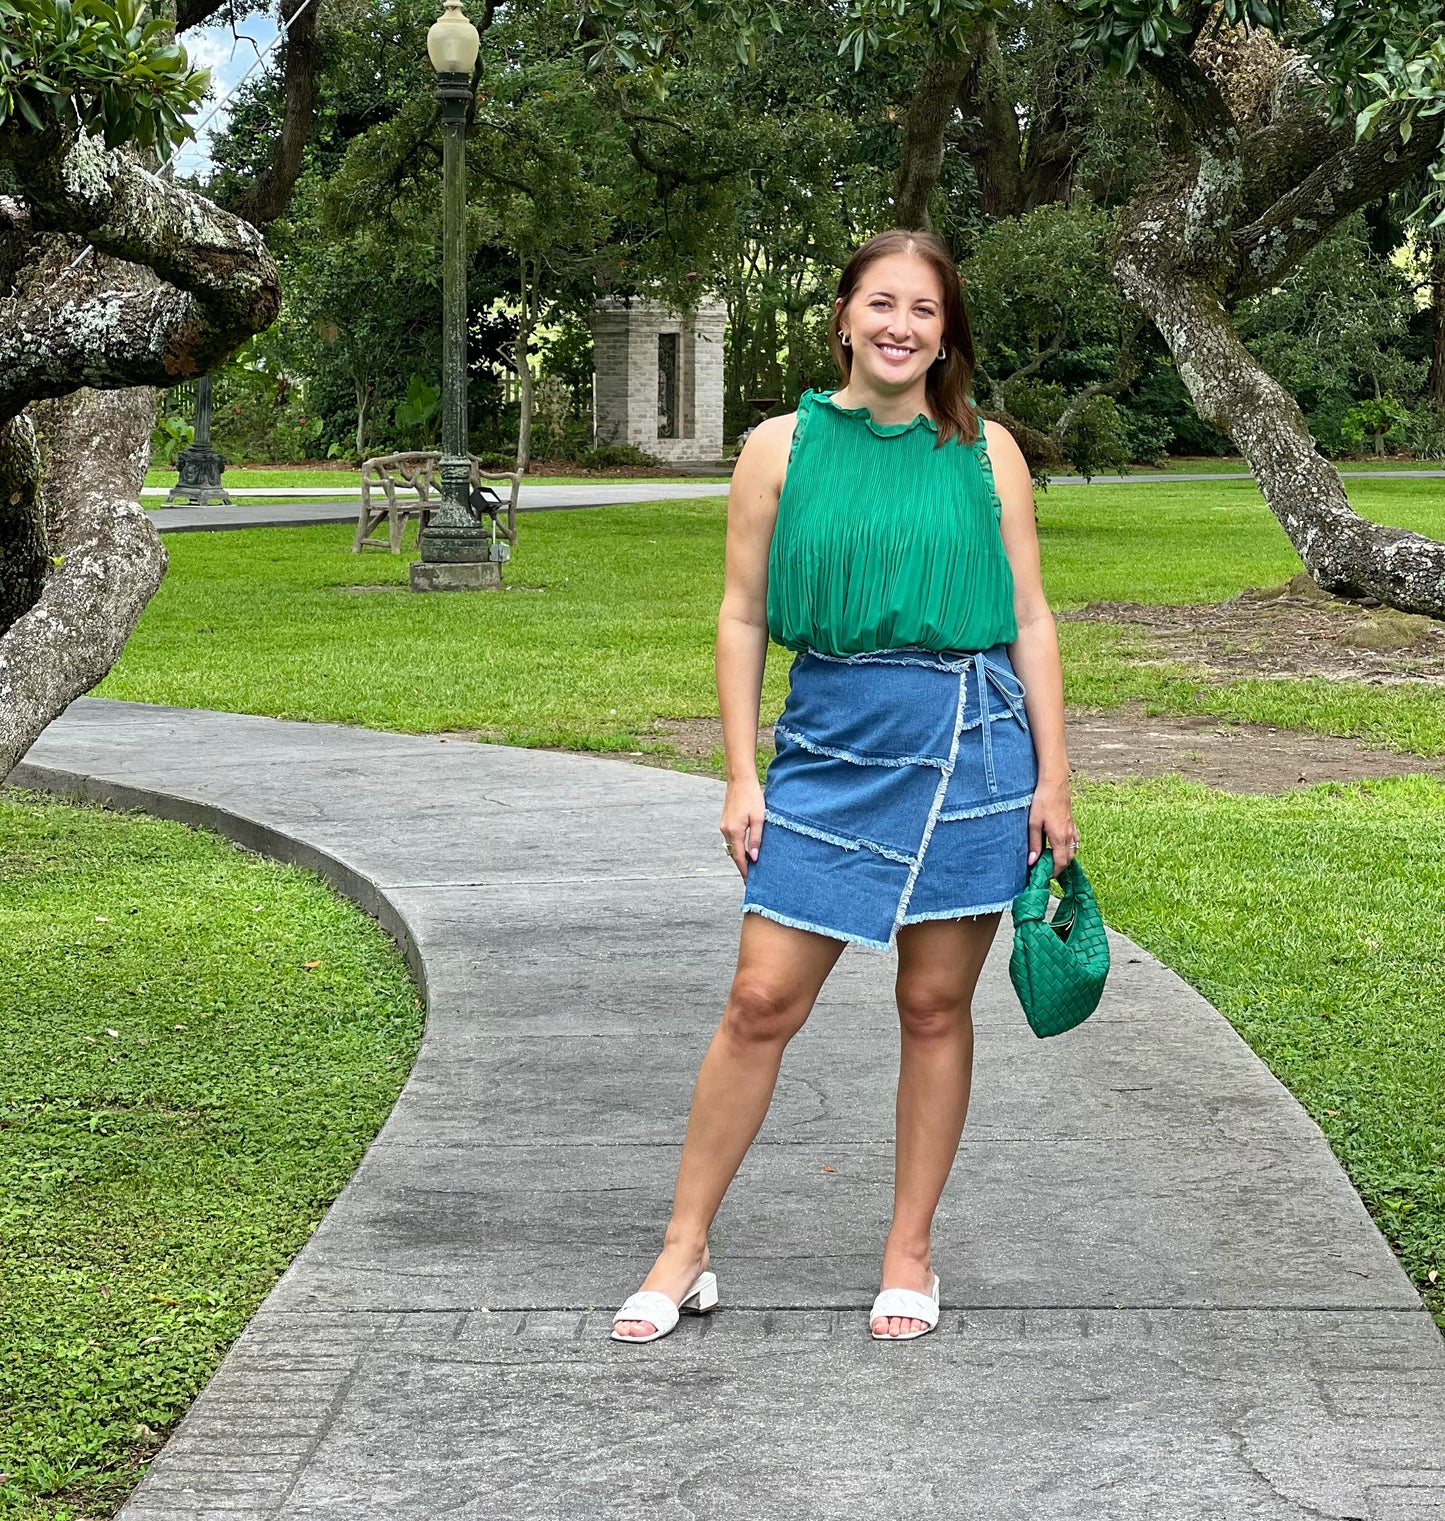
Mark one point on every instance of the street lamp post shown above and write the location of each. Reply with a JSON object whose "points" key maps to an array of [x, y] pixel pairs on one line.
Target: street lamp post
{"points": [[200, 466], [456, 549]]}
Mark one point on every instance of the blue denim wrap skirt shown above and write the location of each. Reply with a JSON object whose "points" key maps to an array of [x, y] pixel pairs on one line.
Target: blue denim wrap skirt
{"points": [[900, 792]]}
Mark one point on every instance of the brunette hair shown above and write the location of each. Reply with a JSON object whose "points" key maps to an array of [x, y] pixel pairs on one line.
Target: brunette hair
{"points": [[950, 380]]}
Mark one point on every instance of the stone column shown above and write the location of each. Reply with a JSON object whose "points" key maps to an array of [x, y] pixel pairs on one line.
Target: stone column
{"points": [[707, 373], [625, 378]]}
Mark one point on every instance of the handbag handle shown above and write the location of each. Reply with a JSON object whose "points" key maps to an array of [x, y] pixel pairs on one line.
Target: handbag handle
{"points": [[1033, 901]]}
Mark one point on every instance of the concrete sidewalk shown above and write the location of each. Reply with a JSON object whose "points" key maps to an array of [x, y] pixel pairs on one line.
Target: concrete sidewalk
{"points": [[345, 509], [1162, 1298]]}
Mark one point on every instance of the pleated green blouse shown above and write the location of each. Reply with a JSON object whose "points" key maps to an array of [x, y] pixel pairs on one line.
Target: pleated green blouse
{"points": [[883, 539]]}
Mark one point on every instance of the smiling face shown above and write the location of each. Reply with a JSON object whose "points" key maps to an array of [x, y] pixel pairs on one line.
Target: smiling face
{"points": [[894, 321]]}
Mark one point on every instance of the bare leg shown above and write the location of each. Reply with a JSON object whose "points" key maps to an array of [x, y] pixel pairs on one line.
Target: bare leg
{"points": [[779, 974], [938, 966]]}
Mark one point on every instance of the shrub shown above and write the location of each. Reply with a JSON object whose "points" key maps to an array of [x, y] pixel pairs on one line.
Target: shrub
{"points": [[609, 456], [169, 436], [1095, 442], [561, 438], [1424, 434], [1039, 403], [1146, 435], [1325, 422], [1372, 420], [418, 413]]}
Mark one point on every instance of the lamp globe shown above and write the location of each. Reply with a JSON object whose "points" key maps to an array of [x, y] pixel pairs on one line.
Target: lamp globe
{"points": [[452, 41]]}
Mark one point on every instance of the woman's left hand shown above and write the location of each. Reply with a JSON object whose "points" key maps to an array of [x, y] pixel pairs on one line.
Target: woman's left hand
{"points": [[1051, 821]]}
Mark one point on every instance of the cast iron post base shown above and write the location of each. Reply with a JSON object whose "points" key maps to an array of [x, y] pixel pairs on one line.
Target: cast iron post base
{"points": [[200, 478]]}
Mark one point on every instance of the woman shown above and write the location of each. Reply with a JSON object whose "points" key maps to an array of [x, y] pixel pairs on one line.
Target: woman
{"points": [[886, 533]]}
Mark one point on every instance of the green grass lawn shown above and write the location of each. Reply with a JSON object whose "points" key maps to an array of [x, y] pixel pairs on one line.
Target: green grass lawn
{"points": [[198, 1047], [609, 617]]}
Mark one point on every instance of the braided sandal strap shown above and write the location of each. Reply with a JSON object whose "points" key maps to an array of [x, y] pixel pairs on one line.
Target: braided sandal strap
{"points": [[651, 1305]]}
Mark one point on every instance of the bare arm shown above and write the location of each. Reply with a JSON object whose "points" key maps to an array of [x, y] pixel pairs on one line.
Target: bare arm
{"points": [[1035, 653], [742, 628]]}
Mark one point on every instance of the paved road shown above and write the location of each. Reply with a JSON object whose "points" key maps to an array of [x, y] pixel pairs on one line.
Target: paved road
{"points": [[343, 509], [1162, 1298]]}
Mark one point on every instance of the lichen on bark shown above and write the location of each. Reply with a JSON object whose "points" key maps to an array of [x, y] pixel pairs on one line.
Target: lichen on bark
{"points": [[23, 557], [112, 282]]}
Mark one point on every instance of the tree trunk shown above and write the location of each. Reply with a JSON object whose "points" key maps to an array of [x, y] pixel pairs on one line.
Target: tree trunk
{"points": [[91, 321], [110, 561], [739, 330], [23, 559], [772, 369], [1181, 251], [113, 281], [1437, 321], [995, 148], [524, 369], [363, 394], [267, 199], [758, 345], [920, 153], [1342, 551], [735, 340], [796, 309]]}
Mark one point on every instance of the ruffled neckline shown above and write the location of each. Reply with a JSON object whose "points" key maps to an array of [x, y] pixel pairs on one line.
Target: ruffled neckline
{"points": [[883, 430]]}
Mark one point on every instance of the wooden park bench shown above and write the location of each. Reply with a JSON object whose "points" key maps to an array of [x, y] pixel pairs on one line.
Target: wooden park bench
{"points": [[419, 471]]}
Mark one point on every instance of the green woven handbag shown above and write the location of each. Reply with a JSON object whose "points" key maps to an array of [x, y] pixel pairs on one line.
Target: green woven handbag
{"points": [[1058, 967]]}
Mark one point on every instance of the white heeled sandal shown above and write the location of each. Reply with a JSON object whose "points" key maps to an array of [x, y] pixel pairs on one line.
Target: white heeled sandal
{"points": [[653, 1306], [906, 1304]]}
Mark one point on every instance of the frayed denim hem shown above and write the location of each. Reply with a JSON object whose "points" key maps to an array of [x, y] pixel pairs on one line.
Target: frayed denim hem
{"points": [[783, 821], [839, 715], [1002, 805], [858, 759], [817, 929], [997, 718], [957, 913]]}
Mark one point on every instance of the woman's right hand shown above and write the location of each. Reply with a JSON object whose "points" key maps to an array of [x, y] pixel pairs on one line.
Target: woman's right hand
{"points": [[742, 822]]}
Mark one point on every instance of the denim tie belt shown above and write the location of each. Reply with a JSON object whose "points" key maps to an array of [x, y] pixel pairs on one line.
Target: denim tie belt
{"points": [[985, 671]]}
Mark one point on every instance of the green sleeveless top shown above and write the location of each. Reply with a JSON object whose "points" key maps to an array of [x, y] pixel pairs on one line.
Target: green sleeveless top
{"points": [[883, 539]]}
